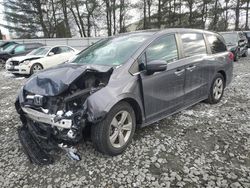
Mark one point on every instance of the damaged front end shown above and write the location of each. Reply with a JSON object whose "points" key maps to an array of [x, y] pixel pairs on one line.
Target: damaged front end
{"points": [[53, 109]]}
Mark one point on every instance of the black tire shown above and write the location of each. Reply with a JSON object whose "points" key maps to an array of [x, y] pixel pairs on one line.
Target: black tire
{"points": [[100, 132], [236, 56], [2, 63], [211, 97], [245, 54], [32, 71]]}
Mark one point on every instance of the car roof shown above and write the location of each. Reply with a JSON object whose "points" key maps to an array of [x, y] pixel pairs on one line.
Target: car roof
{"points": [[27, 44], [165, 31], [230, 32], [57, 46]]}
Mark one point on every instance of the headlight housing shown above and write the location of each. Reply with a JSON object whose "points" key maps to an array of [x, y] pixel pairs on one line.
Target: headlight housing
{"points": [[26, 62], [8, 61]]}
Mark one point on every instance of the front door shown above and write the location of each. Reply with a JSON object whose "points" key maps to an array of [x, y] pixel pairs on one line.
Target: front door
{"points": [[163, 92]]}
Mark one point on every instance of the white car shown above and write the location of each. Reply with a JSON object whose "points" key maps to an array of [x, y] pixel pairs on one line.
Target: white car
{"points": [[41, 58]]}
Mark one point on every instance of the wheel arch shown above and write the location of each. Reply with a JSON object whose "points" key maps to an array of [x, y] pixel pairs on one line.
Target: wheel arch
{"points": [[37, 62], [31, 67], [223, 73], [136, 107], [98, 106]]}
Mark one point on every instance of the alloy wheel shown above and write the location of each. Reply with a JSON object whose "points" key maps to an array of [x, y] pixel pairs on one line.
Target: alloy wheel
{"points": [[37, 68], [120, 129], [218, 88]]}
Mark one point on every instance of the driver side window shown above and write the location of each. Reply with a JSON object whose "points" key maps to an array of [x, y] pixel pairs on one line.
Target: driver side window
{"points": [[163, 48]]}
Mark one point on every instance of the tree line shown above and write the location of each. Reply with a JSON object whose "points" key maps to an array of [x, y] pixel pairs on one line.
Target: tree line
{"points": [[67, 18]]}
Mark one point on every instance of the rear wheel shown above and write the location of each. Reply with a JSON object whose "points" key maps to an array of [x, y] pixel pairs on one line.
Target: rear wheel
{"points": [[217, 89], [245, 54], [113, 135], [236, 57], [36, 68]]}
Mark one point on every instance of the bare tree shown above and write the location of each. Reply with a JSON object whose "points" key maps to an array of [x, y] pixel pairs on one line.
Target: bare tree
{"points": [[237, 14]]}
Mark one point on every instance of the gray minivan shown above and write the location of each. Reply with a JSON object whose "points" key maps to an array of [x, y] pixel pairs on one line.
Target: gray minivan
{"points": [[120, 83]]}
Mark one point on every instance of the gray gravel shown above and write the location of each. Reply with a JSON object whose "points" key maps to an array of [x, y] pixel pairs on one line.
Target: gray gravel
{"points": [[203, 146]]}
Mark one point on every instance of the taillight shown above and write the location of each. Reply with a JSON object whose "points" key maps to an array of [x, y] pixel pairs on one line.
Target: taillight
{"points": [[231, 56]]}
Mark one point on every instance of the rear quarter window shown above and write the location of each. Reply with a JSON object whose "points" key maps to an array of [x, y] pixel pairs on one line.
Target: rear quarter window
{"points": [[193, 44], [216, 44]]}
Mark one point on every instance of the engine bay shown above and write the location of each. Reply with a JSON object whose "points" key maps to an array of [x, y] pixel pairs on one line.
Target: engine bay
{"points": [[61, 119]]}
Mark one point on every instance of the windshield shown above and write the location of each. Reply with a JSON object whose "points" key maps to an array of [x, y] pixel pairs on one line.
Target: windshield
{"points": [[111, 51], [40, 51], [247, 34], [10, 48], [230, 38]]}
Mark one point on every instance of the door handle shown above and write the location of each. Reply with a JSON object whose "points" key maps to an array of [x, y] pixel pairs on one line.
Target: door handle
{"points": [[191, 68], [179, 72]]}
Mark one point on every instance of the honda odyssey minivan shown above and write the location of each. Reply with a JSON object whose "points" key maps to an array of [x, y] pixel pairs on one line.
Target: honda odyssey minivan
{"points": [[119, 84]]}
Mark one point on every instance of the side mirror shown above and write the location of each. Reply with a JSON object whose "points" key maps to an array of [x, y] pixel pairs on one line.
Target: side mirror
{"points": [[156, 66], [51, 53]]}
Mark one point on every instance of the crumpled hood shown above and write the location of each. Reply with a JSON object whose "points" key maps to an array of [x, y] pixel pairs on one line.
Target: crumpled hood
{"points": [[22, 58], [55, 81]]}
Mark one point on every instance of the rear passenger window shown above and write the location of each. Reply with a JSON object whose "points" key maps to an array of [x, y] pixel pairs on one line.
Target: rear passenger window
{"points": [[163, 48], [193, 44], [66, 49], [216, 44]]}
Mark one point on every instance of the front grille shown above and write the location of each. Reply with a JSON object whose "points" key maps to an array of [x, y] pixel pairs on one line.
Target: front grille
{"points": [[12, 69], [15, 63]]}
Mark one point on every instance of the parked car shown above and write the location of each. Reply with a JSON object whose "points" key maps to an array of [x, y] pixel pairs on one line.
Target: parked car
{"points": [[17, 50], [247, 34], [120, 83], [41, 58], [6, 44], [236, 42]]}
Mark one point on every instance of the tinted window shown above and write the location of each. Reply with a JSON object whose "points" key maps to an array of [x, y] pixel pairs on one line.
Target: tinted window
{"points": [[40, 51], [163, 48], [230, 38], [32, 46], [247, 34], [193, 44], [56, 50], [216, 44], [66, 49], [19, 49]]}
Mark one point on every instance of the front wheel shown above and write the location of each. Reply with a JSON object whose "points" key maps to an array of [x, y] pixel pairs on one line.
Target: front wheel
{"points": [[217, 89], [36, 68], [113, 135]]}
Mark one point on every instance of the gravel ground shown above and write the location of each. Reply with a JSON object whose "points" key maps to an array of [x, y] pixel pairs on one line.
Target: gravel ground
{"points": [[203, 146]]}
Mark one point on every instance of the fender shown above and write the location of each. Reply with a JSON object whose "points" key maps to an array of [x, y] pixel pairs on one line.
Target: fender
{"points": [[101, 102]]}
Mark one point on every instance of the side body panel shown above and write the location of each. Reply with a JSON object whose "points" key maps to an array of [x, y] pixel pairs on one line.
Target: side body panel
{"points": [[163, 92], [199, 72], [54, 60]]}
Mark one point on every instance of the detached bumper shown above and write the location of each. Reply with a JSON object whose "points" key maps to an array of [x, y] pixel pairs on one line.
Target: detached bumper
{"points": [[20, 69], [47, 118], [32, 149]]}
